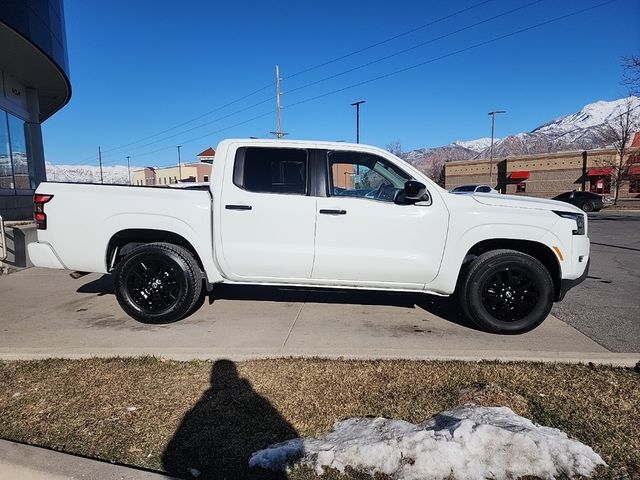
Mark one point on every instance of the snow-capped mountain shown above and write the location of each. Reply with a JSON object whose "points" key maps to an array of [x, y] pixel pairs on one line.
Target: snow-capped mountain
{"points": [[583, 130], [476, 145], [88, 173]]}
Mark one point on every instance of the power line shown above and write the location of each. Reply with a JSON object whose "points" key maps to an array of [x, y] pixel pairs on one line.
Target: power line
{"points": [[450, 54], [421, 44], [402, 70], [271, 112], [351, 69], [198, 126], [390, 39], [217, 109], [306, 70]]}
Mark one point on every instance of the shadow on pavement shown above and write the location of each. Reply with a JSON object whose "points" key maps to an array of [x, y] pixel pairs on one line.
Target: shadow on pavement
{"points": [[218, 435], [446, 308]]}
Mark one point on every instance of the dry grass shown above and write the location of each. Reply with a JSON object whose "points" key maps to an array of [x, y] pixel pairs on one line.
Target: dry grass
{"points": [[211, 416]]}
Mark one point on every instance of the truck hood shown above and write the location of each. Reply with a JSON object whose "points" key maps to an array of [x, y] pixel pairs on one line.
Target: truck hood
{"points": [[518, 201]]}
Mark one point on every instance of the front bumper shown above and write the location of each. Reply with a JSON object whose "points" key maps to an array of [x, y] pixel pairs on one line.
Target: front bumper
{"points": [[567, 284]]}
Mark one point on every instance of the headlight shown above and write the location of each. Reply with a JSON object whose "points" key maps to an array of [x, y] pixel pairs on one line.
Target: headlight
{"points": [[577, 217]]}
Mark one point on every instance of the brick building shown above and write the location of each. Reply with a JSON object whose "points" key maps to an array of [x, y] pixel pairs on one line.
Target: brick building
{"points": [[547, 175]]}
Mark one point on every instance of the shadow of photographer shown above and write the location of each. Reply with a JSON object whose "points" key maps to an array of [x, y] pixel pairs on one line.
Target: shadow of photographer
{"points": [[218, 435]]}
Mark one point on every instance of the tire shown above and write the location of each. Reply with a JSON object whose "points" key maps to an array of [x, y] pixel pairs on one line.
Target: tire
{"points": [[507, 292], [158, 283], [587, 207]]}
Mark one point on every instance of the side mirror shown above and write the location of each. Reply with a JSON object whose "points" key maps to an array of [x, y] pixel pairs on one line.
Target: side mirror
{"points": [[414, 190]]}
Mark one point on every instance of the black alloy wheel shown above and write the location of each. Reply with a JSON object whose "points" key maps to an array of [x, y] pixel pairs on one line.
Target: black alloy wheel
{"points": [[506, 291], [154, 284], [158, 283], [509, 295]]}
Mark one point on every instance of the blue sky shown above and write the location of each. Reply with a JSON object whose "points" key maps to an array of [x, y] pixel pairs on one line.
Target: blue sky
{"points": [[142, 67]]}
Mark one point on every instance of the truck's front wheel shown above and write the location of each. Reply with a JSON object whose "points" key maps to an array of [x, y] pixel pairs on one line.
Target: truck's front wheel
{"points": [[158, 283], [506, 291]]}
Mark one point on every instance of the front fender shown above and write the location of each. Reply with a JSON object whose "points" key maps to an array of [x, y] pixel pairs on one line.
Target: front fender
{"points": [[457, 251]]}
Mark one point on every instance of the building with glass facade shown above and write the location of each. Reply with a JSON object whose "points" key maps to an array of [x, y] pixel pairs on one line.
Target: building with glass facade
{"points": [[34, 84]]}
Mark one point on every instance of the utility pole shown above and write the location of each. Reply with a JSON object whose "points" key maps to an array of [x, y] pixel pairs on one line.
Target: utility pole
{"points": [[129, 168], [100, 161], [179, 164], [357, 105], [493, 126], [278, 133]]}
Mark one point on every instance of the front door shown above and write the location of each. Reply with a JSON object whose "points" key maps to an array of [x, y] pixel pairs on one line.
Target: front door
{"points": [[268, 215], [364, 238]]}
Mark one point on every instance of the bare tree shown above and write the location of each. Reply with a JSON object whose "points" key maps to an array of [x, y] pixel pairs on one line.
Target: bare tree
{"points": [[631, 75], [619, 134], [395, 147]]}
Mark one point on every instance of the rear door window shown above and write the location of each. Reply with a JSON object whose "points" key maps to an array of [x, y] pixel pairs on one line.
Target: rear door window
{"points": [[272, 170]]}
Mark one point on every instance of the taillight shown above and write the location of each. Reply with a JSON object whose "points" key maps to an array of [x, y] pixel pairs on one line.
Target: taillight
{"points": [[38, 210]]}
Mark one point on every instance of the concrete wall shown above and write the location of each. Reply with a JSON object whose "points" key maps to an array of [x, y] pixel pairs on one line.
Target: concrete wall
{"points": [[18, 237]]}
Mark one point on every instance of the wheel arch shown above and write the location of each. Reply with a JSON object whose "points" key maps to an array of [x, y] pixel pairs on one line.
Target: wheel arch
{"points": [[122, 242], [537, 250]]}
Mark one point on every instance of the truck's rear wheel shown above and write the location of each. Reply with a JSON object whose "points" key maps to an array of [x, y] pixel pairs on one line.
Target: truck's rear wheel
{"points": [[506, 291], [158, 283]]}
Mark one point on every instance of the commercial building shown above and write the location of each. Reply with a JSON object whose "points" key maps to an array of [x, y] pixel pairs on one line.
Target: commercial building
{"points": [[547, 175], [190, 172], [34, 84]]}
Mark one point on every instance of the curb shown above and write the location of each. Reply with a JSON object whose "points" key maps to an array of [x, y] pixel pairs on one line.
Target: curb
{"points": [[25, 462], [628, 360]]}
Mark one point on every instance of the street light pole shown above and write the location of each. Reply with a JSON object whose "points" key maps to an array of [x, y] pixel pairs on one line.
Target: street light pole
{"points": [[129, 168], [179, 164], [357, 105], [493, 126]]}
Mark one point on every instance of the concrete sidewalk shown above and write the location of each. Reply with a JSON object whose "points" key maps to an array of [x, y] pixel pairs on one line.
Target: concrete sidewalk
{"points": [[24, 462], [44, 313]]}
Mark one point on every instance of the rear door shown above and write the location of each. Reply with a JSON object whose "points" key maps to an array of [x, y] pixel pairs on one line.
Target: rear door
{"points": [[268, 215]]}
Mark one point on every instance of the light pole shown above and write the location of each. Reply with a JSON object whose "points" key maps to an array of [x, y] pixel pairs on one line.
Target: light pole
{"points": [[129, 168], [179, 164], [357, 105], [493, 126]]}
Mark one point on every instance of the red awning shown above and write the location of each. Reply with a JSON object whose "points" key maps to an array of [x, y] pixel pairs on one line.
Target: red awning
{"points": [[598, 172], [521, 175], [634, 171]]}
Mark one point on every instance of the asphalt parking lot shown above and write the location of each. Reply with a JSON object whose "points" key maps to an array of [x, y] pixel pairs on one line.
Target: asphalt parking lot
{"points": [[606, 307], [46, 313]]}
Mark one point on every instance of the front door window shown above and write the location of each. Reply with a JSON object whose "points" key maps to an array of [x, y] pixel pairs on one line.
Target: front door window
{"points": [[355, 174]]}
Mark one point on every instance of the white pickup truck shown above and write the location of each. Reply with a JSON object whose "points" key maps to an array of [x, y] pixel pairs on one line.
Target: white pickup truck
{"points": [[321, 214]]}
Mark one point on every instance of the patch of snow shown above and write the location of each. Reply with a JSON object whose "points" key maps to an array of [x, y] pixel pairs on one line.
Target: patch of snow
{"points": [[469, 442], [477, 145]]}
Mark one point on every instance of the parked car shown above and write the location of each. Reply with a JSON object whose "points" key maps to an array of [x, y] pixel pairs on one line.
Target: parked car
{"points": [[474, 189], [587, 201], [276, 213]]}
